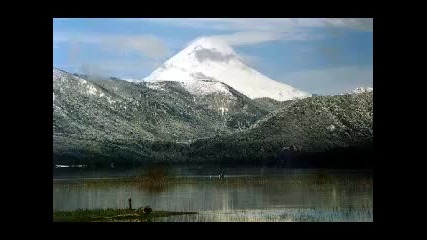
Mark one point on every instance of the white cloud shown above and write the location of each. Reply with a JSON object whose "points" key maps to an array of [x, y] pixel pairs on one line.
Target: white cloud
{"points": [[257, 30], [230, 24], [119, 67], [265, 24], [362, 24], [331, 80], [247, 38], [147, 45]]}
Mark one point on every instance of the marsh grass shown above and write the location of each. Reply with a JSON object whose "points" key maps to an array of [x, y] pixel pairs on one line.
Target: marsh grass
{"points": [[277, 215], [106, 215]]}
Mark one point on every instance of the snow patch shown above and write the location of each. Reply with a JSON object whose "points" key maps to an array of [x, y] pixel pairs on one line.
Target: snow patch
{"points": [[59, 75], [92, 90], [131, 79], [155, 86], [362, 90], [205, 87], [110, 101], [223, 110]]}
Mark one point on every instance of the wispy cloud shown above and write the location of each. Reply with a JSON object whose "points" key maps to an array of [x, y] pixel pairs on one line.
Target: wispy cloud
{"points": [[251, 37], [117, 67], [147, 45], [230, 24], [258, 30], [361, 24], [147, 50], [247, 38], [266, 24]]}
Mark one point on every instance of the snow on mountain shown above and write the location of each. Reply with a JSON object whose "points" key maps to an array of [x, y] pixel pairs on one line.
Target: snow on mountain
{"points": [[131, 80], [362, 90], [198, 87], [58, 74], [207, 62], [63, 80]]}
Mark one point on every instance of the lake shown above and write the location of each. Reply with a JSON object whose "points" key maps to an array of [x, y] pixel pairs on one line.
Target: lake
{"points": [[243, 194]]}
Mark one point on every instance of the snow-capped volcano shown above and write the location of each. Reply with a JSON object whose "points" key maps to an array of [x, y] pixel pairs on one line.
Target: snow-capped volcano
{"points": [[209, 59], [362, 90]]}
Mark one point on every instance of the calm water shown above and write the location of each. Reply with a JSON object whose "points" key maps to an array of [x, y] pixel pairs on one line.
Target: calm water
{"points": [[245, 194]]}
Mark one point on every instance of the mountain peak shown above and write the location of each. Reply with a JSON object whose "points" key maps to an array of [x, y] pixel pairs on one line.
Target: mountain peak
{"points": [[363, 89], [204, 50], [210, 43], [213, 59]]}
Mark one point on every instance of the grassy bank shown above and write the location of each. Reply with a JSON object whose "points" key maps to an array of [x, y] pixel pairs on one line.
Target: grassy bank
{"points": [[111, 215]]}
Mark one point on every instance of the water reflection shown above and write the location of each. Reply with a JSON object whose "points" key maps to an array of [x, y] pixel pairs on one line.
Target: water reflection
{"points": [[267, 191]]}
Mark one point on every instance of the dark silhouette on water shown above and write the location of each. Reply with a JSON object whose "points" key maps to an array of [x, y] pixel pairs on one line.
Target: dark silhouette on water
{"points": [[130, 203], [147, 209], [221, 174]]}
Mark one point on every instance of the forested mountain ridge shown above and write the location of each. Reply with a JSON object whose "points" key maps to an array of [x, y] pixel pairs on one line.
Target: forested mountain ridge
{"points": [[92, 115], [110, 120]]}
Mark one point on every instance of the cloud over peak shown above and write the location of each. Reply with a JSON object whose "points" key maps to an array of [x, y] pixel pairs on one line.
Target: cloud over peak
{"points": [[257, 30]]}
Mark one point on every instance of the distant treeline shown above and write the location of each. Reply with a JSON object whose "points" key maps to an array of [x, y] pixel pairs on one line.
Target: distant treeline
{"points": [[360, 157]]}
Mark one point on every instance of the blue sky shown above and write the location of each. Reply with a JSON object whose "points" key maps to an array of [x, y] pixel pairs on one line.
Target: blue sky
{"points": [[323, 56]]}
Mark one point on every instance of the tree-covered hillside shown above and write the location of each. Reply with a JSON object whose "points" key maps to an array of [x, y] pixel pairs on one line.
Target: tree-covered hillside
{"points": [[98, 121], [302, 128], [92, 115]]}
